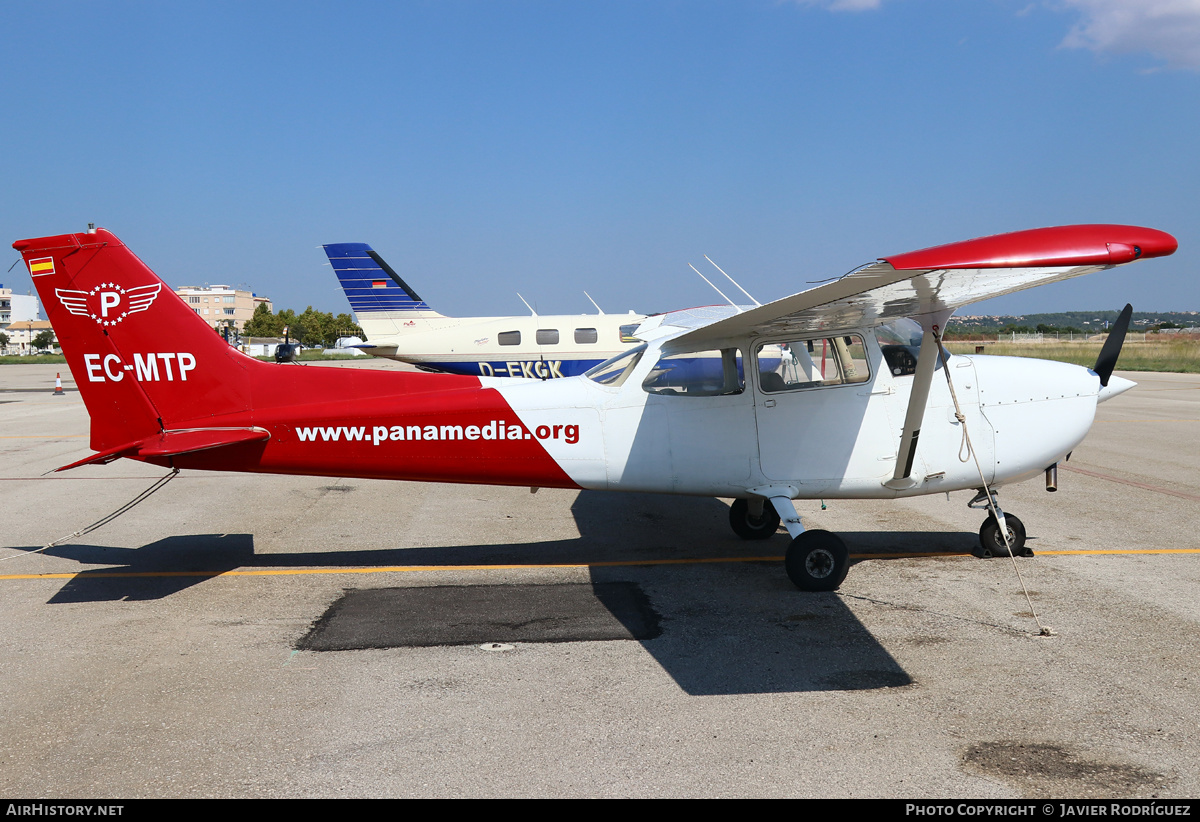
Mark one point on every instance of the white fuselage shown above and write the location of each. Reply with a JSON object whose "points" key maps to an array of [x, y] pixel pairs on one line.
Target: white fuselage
{"points": [[835, 441], [533, 347]]}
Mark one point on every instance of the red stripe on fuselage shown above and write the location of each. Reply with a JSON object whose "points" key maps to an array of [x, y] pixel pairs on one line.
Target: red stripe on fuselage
{"points": [[357, 437]]}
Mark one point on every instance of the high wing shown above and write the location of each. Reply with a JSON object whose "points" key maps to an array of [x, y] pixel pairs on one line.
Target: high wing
{"points": [[936, 280]]}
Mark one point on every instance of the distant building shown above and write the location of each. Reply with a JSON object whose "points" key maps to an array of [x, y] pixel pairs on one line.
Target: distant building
{"points": [[16, 307], [222, 306], [22, 333], [260, 346]]}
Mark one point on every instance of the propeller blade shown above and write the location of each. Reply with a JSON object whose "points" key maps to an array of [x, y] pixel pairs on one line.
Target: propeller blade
{"points": [[1111, 349]]}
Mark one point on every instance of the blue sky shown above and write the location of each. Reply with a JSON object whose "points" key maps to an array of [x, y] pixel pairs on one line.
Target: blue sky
{"points": [[488, 147]]}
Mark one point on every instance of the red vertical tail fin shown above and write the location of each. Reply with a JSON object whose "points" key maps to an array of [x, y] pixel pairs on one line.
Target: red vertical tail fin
{"points": [[142, 358]]}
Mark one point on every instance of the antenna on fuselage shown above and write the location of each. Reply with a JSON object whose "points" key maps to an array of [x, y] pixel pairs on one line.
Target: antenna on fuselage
{"points": [[593, 302], [527, 305], [732, 280], [719, 291]]}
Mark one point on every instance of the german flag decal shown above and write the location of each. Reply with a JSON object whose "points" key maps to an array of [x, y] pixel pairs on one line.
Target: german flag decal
{"points": [[41, 266]]}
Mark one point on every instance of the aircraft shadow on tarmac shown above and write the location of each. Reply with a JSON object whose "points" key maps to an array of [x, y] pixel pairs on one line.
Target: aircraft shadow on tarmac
{"points": [[726, 627]]}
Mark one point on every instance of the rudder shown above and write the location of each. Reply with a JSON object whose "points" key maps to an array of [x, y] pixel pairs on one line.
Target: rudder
{"points": [[142, 358]]}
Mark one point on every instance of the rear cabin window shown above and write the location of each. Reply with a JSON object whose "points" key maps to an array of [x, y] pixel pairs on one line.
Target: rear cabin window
{"points": [[698, 374], [547, 336], [627, 332], [798, 364], [509, 338], [586, 336]]}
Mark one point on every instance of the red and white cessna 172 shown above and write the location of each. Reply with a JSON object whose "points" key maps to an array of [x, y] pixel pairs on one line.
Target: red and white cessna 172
{"points": [[829, 393]]}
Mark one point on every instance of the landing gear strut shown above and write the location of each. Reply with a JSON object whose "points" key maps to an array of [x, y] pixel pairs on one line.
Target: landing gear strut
{"points": [[815, 561]]}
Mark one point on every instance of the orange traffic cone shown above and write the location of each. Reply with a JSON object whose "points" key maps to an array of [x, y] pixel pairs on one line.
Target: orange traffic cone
{"points": [[58, 392]]}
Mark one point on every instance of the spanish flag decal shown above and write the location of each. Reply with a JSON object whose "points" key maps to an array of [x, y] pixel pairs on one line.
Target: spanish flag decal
{"points": [[41, 267]]}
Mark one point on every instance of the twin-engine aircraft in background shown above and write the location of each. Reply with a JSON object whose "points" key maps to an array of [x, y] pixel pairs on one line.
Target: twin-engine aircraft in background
{"points": [[829, 393], [401, 326]]}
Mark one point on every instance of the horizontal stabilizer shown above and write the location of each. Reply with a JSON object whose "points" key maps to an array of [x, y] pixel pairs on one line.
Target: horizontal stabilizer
{"points": [[174, 443]]}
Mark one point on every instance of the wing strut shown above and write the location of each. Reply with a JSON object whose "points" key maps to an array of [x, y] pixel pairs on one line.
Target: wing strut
{"points": [[922, 380]]}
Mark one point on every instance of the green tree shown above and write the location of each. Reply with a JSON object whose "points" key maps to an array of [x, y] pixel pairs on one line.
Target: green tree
{"points": [[286, 319], [263, 323], [3, 340], [311, 327], [44, 340], [345, 326]]}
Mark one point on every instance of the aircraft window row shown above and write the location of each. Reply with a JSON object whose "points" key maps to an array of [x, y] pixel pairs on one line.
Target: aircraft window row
{"points": [[698, 374], [550, 336], [614, 371], [800, 364]]}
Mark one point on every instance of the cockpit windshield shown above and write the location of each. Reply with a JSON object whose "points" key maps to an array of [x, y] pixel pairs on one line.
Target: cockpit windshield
{"points": [[900, 342], [613, 371], [904, 331]]}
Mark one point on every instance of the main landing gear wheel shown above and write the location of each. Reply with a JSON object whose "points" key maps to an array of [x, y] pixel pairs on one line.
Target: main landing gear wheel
{"points": [[993, 543], [817, 561], [748, 526]]}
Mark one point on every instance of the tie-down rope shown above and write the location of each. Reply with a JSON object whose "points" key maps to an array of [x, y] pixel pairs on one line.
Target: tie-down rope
{"points": [[159, 483], [991, 500]]}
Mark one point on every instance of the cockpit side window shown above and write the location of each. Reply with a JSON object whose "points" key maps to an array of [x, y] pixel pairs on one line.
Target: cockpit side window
{"points": [[713, 373], [798, 364]]}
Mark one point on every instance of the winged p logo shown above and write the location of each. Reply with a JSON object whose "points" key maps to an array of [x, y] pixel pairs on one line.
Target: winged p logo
{"points": [[108, 303]]}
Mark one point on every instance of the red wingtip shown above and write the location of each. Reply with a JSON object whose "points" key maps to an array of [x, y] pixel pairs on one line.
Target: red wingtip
{"points": [[1058, 246]]}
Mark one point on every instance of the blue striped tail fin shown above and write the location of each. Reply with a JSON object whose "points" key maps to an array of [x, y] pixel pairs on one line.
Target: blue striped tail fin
{"points": [[370, 283]]}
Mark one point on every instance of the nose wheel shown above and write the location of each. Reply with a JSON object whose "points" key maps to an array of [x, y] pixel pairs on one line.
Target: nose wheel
{"points": [[993, 543]]}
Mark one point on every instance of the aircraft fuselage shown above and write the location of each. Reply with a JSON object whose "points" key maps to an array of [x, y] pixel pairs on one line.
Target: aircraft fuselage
{"points": [[836, 441]]}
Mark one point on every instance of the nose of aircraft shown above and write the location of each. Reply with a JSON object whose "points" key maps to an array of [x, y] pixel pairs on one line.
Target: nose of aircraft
{"points": [[1116, 385]]}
